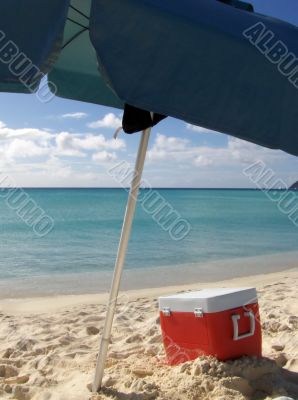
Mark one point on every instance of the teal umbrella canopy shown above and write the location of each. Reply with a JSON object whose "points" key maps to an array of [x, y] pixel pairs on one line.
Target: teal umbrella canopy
{"points": [[76, 74], [30, 41], [212, 63], [51, 37]]}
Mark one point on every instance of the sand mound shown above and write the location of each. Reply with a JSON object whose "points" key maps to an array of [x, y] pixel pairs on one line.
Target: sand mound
{"points": [[52, 356]]}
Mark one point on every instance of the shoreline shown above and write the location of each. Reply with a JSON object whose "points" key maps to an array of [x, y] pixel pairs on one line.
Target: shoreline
{"points": [[94, 283], [58, 303]]}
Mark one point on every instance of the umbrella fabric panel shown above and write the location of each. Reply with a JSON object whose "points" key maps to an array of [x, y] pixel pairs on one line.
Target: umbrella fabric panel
{"points": [[190, 60], [76, 74], [30, 41]]}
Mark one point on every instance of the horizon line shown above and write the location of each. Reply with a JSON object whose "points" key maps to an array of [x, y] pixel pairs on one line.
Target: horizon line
{"points": [[146, 188]]}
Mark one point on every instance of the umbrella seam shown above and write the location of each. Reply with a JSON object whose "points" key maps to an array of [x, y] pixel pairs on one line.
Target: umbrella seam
{"points": [[74, 37], [79, 12], [77, 23]]}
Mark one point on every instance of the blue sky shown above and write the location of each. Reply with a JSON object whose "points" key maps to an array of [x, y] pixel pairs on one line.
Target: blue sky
{"points": [[68, 143]]}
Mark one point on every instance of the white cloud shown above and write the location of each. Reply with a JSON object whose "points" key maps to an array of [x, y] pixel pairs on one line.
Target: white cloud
{"points": [[23, 142], [103, 157], [95, 142], [69, 144], [66, 146], [108, 121], [199, 129], [54, 168], [75, 115], [170, 143], [19, 144], [246, 152], [237, 152], [23, 133], [19, 148], [202, 161], [167, 147]]}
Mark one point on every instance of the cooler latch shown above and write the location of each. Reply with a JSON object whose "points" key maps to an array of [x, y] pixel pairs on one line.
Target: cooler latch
{"points": [[166, 311], [198, 313]]}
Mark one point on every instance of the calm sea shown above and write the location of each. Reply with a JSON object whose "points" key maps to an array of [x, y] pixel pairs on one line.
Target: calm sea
{"points": [[77, 255]]}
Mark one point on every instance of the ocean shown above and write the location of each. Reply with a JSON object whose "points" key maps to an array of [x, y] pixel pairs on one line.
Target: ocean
{"points": [[232, 233]]}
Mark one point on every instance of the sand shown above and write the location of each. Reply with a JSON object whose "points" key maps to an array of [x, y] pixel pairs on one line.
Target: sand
{"points": [[48, 349]]}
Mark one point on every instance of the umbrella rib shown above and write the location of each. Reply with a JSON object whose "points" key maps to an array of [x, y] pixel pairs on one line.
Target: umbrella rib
{"points": [[74, 37], [77, 23], [79, 12]]}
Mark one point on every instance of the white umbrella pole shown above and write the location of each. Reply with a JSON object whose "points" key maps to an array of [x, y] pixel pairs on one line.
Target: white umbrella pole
{"points": [[125, 233]]}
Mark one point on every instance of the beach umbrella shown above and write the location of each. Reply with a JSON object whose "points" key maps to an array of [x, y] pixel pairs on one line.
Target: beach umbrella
{"points": [[212, 63]]}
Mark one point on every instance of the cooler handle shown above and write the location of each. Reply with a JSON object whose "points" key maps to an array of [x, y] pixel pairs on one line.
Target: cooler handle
{"points": [[236, 318]]}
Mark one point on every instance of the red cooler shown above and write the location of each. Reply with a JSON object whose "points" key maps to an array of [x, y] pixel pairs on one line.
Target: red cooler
{"points": [[221, 322]]}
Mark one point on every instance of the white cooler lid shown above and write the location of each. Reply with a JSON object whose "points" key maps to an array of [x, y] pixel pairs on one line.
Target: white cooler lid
{"points": [[209, 300]]}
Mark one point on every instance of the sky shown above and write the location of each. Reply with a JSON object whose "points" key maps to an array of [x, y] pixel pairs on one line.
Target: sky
{"points": [[66, 143]]}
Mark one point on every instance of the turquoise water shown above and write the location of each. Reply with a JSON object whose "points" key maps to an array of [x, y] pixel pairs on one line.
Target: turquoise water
{"points": [[225, 224]]}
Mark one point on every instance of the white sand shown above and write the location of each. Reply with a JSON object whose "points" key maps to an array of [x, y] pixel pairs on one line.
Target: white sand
{"points": [[48, 349]]}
